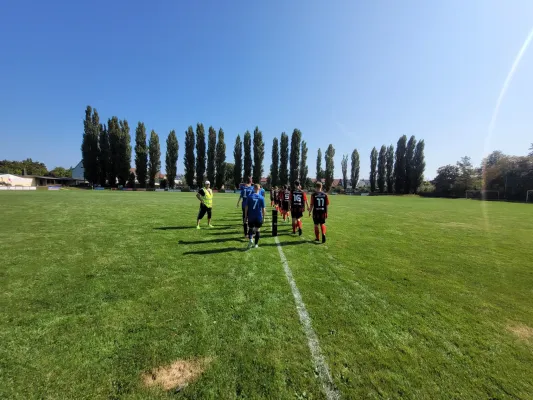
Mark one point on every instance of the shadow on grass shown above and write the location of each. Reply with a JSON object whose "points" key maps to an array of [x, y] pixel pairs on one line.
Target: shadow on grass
{"points": [[221, 240], [240, 249], [173, 228]]}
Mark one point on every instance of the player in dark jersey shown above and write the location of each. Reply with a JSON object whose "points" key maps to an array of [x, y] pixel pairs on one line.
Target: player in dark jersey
{"points": [[255, 215], [276, 198], [319, 208], [246, 191], [285, 198], [271, 195], [298, 203]]}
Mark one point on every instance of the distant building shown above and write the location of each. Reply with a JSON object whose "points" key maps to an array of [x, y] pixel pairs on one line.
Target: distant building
{"points": [[78, 172]]}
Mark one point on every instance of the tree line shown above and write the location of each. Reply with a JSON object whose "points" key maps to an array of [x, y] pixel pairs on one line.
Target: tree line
{"points": [[400, 172], [505, 174], [30, 167], [289, 166]]}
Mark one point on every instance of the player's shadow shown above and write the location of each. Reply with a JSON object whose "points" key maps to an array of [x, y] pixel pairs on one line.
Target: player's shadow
{"points": [[220, 240], [240, 249], [215, 251], [172, 228]]}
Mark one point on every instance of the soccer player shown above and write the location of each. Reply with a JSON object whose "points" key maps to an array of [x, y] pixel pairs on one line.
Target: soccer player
{"points": [[285, 197], [298, 201], [246, 191], [276, 197], [205, 195], [319, 208], [271, 195], [255, 215], [262, 191]]}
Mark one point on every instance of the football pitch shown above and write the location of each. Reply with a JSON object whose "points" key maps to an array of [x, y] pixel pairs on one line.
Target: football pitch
{"points": [[409, 298]]}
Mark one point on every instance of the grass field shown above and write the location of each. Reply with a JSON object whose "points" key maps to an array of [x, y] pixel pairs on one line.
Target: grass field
{"points": [[410, 297]]}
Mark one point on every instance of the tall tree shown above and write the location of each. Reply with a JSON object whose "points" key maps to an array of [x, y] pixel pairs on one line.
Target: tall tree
{"points": [[171, 159], [304, 170], [113, 129], [390, 166], [410, 166], [283, 159], [344, 166], [200, 154], [154, 164], [211, 155], [466, 173], [237, 157], [319, 172], [274, 167], [330, 167], [259, 155], [354, 176], [220, 160], [382, 161], [189, 160], [90, 150], [228, 173], [296, 139], [141, 154], [247, 155], [446, 178], [124, 164], [531, 150], [104, 155], [399, 165], [373, 165], [419, 165]]}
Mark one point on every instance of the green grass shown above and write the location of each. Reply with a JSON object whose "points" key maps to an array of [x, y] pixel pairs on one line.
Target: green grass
{"points": [[410, 297]]}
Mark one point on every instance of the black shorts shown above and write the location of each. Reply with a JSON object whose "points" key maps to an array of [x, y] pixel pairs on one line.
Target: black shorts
{"points": [[255, 224], [319, 218], [285, 206], [297, 213], [203, 211]]}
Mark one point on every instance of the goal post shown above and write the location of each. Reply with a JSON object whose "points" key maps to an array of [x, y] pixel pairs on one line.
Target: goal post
{"points": [[483, 194], [529, 196]]}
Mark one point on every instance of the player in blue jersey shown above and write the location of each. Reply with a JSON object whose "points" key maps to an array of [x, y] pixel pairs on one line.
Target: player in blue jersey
{"points": [[255, 215], [246, 191], [262, 192]]}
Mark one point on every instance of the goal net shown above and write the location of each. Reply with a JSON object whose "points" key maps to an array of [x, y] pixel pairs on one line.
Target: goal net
{"points": [[529, 196], [483, 194]]}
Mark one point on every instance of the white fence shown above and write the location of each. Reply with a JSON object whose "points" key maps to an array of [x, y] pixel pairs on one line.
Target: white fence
{"points": [[18, 188]]}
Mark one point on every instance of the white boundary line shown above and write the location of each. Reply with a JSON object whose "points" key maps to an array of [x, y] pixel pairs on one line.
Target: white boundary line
{"points": [[319, 361]]}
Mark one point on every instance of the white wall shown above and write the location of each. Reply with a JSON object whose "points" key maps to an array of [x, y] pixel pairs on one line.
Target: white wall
{"points": [[78, 172], [14, 180]]}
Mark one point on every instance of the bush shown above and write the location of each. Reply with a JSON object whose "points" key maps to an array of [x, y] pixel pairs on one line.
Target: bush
{"points": [[163, 184]]}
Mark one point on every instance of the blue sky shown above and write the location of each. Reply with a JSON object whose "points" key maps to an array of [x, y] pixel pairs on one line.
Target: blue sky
{"points": [[356, 74]]}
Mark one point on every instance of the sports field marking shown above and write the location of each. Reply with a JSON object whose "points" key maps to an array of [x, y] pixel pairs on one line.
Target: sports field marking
{"points": [[312, 340]]}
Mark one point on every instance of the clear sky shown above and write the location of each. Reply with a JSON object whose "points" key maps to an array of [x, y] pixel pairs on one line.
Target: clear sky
{"points": [[355, 74]]}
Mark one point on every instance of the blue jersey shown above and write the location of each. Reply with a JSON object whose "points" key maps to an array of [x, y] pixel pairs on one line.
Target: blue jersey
{"points": [[245, 192], [255, 203], [262, 192]]}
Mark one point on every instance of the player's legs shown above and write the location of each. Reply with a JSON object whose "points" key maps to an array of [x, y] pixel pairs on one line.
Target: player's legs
{"points": [[209, 213], [244, 223], [201, 214]]}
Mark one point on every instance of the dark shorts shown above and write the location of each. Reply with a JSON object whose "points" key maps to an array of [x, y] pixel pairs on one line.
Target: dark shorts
{"points": [[255, 224], [285, 206], [297, 213], [203, 211], [243, 216], [319, 218]]}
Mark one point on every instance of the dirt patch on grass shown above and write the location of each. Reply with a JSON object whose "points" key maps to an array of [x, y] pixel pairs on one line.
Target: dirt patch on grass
{"points": [[521, 331], [176, 375]]}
